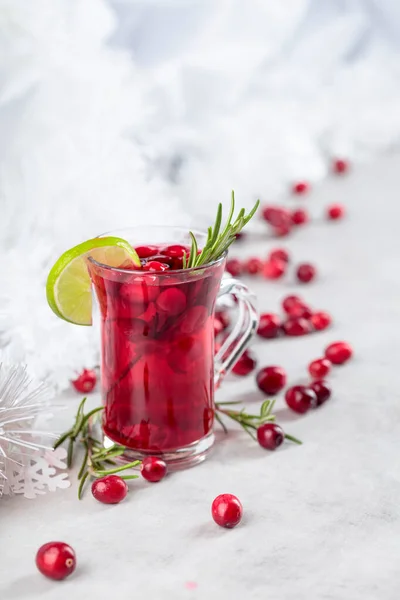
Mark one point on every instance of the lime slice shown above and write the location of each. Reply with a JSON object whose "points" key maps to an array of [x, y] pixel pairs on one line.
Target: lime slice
{"points": [[68, 286]]}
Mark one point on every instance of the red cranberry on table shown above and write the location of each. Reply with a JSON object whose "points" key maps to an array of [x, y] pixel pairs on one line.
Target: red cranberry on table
{"points": [[279, 254], [289, 301], [319, 368], [300, 398], [111, 489], [321, 320], [300, 310], [245, 365], [56, 560], [271, 380], [155, 265], [153, 469], [305, 272], [300, 216], [277, 216], [234, 267], [269, 326], [86, 381], [274, 269], [340, 166], [301, 187], [227, 510], [335, 212], [339, 352], [297, 326], [254, 266], [270, 436], [322, 390], [283, 230]]}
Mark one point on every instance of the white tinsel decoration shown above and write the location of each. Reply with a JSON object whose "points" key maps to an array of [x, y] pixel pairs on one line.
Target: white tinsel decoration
{"points": [[27, 462]]}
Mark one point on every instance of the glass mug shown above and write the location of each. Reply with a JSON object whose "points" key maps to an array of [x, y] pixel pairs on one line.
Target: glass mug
{"points": [[158, 369]]}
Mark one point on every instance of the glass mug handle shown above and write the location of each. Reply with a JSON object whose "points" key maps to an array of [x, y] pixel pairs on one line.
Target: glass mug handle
{"points": [[244, 329]]}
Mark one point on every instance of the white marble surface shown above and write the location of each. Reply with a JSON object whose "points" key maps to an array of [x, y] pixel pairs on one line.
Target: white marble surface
{"points": [[321, 521]]}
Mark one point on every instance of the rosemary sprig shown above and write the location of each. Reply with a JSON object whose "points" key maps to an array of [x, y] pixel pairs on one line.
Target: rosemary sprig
{"points": [[96, 457], [249, 422], [219, 241]]}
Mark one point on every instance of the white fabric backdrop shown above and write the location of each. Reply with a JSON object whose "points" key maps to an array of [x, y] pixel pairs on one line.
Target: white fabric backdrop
{"points": [[116, 112]]}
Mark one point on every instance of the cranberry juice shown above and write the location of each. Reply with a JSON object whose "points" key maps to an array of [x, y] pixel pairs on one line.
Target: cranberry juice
{"points": [[157, 350]]}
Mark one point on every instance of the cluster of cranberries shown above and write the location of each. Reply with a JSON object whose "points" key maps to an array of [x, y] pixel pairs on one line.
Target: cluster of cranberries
{"points": [[274, 267]]}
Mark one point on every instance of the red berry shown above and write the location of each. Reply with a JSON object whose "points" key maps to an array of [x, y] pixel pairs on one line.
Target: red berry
{"points": [[289, 301], [338, 352], [319, 368], [245, 365], [239, 236], [146, 251], [218, 326], [274, 269], [172, 301], [155, 265], [300, 310], [300, 216], [175, 251], [270, 436], [322, 390], [305, 272], [223, 317], [335, 212], [283, 230], [321, 320], [234, 267], [227, 510], [269, 326], [297, 326], [279, 254], [300, 398], [301, 187], [340, 166], [254, 266], [56, 560], [86, 381], [153, 469], [111, 489], [271, 380], [276, 216]]}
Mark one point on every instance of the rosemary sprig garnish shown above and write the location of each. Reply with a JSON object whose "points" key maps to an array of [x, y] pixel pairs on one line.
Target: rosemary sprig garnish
{"points": [[96, 457], [249, 422], [218, 241]]}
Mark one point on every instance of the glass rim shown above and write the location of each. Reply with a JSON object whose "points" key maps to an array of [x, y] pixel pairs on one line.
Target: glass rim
{"points": [[158, 273]]}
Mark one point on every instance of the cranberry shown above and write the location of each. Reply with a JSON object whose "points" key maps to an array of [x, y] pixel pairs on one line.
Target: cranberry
{"points": [[297, 326], [300, 216], [153, 469], [223, 316], [338, 352], [276, 216], [269, 326], [274, 269], [283, 230], [234, 267], [218, 326], [322, 390], [289, 302], [56, 560], [227, 510], [321, 320], [319, 368], [300, 310], [175, 251], [154, 265], [239, 236], [146, 251], [245, 365], [335, 212], [254, 266], [305, 272], [271, 380], [86, 381], [301, 187], [270, 436], [110, 489], [171, 300], [279, 254], [300, 398], [340, 166]]}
